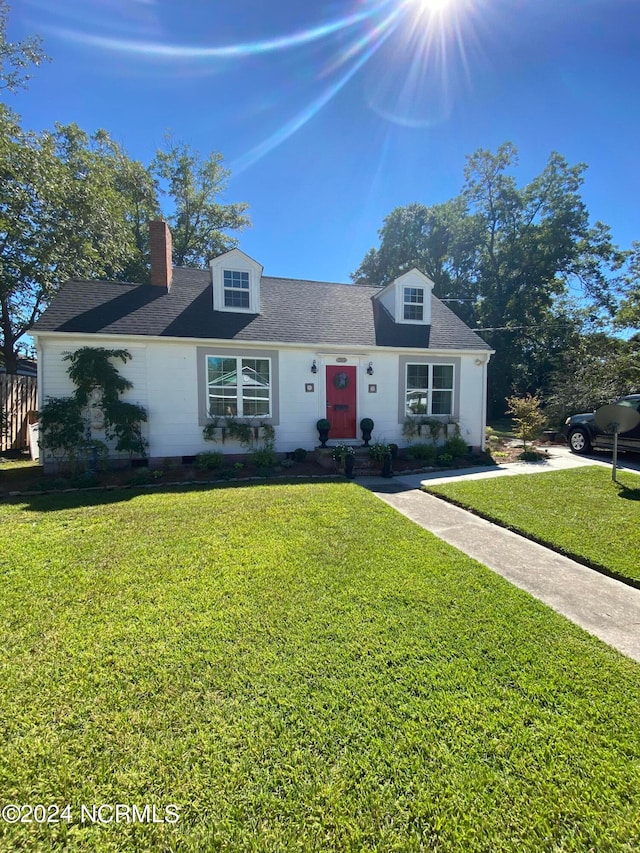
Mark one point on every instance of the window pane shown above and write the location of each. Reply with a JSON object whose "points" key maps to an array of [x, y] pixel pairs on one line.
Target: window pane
{"points": [[443, 376], [417, 376], [255, 371], [255, 401], [413, 312], [255, 386], [416, 403], [222, 371], [223, 386], [414, 294], [235, 278], [223, 402], [441, 403], [236, 299]]}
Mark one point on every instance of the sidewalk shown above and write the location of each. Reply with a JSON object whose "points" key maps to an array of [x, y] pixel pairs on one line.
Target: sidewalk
{"points": [[604, 607]]}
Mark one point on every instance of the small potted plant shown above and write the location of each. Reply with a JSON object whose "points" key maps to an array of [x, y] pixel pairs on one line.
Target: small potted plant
{"points": [[323, 426], [366, 425]]}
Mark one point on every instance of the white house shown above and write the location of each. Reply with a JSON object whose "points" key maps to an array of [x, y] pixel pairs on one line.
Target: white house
{"points": [[228, 341]]}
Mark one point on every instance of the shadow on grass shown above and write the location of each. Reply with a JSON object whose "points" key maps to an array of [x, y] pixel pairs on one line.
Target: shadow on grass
{"points": [[626, 492], [56, 501]]}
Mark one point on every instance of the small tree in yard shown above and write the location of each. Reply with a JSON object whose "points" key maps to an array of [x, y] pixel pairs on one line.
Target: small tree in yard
{"points": [[526, 413]]}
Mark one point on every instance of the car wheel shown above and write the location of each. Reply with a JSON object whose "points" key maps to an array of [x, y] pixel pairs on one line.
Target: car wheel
{"points": [[579, 441]]}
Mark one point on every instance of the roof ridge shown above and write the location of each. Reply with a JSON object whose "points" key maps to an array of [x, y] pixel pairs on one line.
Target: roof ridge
{"points": [[319, 281]]}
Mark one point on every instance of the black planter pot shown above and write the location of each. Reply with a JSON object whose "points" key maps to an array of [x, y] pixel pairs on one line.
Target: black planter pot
{"points": [[386, 465], [324, 437], [366, 437], [349, 464]]}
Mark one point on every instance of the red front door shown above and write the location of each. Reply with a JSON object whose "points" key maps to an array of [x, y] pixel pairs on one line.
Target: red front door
{"points": [[341, 401]]}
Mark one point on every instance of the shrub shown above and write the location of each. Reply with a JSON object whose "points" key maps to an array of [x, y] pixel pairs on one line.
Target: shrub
{"points": [[209, 460], [288, 463], [264, 471], [300, 454], [423, 452], [366, 424], [455, 447], [530, 456], [444, 459], [264, 457], [323, 424], [142, 477]]}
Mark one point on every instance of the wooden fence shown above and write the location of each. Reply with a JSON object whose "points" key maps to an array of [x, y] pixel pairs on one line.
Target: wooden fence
{"points": [[17, 399]]}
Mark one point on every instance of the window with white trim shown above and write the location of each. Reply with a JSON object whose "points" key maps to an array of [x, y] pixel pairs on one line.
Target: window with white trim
{"points": [[238, 386], [413, 303], [429, 389], [236, 289]]}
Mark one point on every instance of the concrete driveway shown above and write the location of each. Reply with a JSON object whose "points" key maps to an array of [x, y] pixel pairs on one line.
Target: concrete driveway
{"points": [[558, 458]]}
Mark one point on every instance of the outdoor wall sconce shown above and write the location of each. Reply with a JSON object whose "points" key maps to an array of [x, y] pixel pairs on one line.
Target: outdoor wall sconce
{"points": [[370, 369], [314, 367]]}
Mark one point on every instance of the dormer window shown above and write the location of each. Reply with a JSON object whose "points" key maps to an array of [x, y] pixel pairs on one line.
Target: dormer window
{"points": [[413, 303], [236, 289], [408, 298], [235, 278]]}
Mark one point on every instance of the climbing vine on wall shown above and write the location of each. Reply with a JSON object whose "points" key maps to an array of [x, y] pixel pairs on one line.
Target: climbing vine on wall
{"points": [[67, 424]]}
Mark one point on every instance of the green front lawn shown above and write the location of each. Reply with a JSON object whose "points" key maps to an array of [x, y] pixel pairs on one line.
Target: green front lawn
{"points": [[580, 512], [297, 668]]}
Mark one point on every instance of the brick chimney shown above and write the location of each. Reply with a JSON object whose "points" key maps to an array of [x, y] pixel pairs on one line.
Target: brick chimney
{"points": [[160, 253]]}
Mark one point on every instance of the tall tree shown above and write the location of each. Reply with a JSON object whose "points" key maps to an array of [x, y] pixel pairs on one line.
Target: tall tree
{"points": [[68, 206], [16, 57], [628, 315], [200, 222], [597, 369], [512, 254]]}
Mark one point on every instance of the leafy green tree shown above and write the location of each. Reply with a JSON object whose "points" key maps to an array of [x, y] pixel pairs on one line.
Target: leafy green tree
{"points": [[507, 257], [597, 369], [628, 315], [16, 57], [200, 222], [69, 207], [528, 416], [77, 206]]}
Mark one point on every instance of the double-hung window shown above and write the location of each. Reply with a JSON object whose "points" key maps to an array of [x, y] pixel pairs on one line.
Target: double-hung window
{"points": [[413, 303], [238, 386], [236, 289], [429, 389]]}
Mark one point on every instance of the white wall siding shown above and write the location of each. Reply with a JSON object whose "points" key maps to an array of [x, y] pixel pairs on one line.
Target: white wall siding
{"points": [[166, 382]]}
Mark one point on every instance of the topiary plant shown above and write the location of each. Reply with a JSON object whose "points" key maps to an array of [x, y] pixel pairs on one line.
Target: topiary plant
{"points": [[366, 424]]}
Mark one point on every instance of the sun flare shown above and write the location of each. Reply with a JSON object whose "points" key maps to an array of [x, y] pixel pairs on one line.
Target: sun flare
{"points": [[431, 6]]}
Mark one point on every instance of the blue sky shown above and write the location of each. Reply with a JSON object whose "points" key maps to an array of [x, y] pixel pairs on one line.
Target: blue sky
{"points": [[330, 114]]}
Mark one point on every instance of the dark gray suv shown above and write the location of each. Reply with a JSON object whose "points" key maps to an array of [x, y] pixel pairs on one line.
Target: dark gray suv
{"points": [[583, 434]]}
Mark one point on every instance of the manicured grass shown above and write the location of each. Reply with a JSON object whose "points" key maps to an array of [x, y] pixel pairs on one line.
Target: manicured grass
{"points": [[580, 512], [298, 668]]}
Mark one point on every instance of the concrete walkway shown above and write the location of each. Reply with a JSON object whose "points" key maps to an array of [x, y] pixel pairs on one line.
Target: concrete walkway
{"points": [[605, 607]]}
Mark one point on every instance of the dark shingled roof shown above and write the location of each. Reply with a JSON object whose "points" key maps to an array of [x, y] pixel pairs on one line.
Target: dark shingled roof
{"points": [[291, 311]]}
